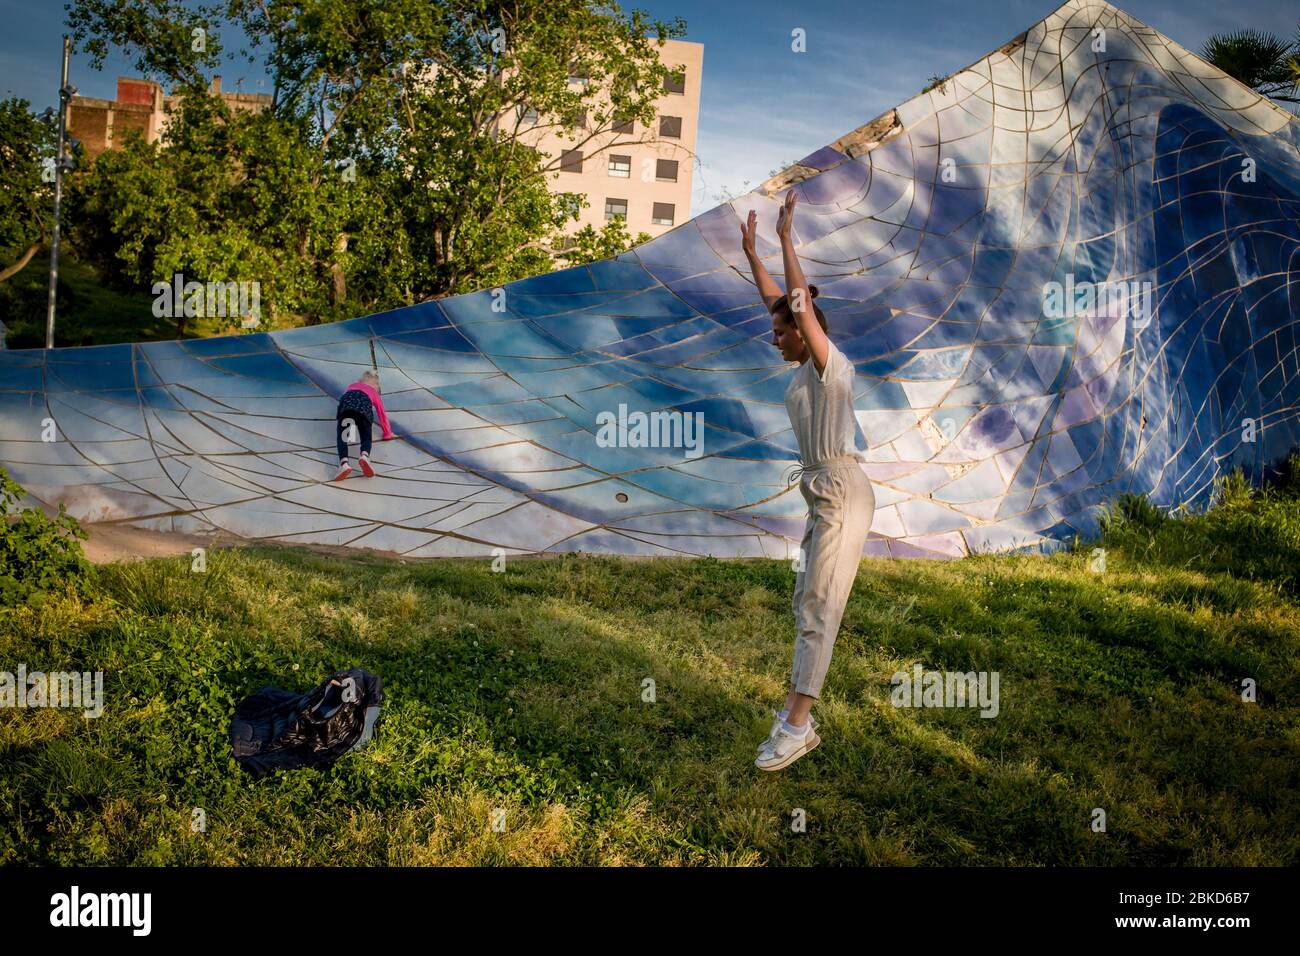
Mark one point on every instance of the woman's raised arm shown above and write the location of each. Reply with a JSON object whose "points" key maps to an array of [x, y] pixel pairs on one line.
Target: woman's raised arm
{"points": [[767, 288], [797, 286]]}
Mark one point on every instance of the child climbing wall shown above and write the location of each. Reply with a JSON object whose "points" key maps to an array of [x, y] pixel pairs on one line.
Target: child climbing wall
{"points": [[360, 407]]}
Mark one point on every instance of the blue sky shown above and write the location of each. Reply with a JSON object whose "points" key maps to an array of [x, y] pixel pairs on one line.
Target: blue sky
{"points": [[762, 105]]}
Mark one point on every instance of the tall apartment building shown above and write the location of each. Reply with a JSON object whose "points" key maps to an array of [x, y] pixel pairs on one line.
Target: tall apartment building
{"points": [[140, 105], [645, 173]]}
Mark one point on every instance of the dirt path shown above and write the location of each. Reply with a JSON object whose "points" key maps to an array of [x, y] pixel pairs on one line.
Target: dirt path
{"points": [[120, 542]]}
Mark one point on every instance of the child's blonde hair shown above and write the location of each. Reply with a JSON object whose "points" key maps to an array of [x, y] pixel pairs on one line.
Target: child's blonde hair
{"points": [[371, 378]]}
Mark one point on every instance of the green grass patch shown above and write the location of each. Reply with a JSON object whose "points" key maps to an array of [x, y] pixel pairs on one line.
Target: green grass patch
{"points": [[87, 313], [522, 691]]}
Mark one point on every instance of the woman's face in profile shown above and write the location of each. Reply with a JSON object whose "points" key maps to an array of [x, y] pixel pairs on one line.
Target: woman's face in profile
{"points": [[786, 337]]}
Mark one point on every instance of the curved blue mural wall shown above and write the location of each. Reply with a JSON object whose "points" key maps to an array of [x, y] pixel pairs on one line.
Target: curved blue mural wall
{"points": [[998, 410]]}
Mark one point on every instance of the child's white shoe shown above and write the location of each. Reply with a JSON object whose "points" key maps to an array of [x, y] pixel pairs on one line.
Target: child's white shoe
{"points": [[366, 470], [344, 470]]}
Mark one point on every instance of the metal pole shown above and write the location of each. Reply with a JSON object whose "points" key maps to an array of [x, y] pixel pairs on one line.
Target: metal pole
{"points": [[58, 197]]}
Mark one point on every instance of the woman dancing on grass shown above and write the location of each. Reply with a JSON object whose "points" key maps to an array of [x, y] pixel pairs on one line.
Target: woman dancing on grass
{"points": [[819, 401]]}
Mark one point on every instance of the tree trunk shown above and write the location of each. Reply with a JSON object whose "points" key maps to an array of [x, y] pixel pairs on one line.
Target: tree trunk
{"points": [[21, 264], [340, 288]]}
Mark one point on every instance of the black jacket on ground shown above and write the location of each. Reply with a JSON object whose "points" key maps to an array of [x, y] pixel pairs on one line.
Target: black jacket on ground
{"points": [[276, 729]]}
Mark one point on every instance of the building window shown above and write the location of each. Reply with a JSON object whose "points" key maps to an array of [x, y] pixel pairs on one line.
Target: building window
{"points": [[571, 161], [578, 119], [670, 126], [570, 204], [666, 170], [578, 76], [526, 113], [615, 209], [663, 214], [675, 81], [623, 127], [620, 165]]}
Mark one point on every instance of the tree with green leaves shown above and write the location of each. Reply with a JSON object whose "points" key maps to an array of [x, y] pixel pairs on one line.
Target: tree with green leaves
{"points": [[236, 197], [1267, 63], [26, 193], [590, 245], [393, 163]]}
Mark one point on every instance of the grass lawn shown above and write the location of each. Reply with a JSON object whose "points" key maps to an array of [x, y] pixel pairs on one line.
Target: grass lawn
{"points": [[88, 312], [522, 690]]}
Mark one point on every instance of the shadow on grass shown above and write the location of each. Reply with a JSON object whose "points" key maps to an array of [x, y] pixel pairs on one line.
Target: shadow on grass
{"points": [[527, 688]]}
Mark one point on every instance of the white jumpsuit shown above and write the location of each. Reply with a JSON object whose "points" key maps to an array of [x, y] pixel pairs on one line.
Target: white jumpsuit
{"points": [[840, 508]]}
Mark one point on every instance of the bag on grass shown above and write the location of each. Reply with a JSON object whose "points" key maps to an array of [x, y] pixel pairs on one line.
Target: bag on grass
{"points": [[276, 729]]}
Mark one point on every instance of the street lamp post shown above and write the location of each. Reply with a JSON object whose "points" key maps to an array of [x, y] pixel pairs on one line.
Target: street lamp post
{"points": [[65, 96]]}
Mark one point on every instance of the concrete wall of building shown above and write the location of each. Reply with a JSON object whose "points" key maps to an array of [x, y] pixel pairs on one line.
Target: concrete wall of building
{"points": [[142, 106], [90, 121]]}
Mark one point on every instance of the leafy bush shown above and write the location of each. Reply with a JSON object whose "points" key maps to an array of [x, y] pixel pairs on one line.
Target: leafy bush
{"points": [[1286, 481], [1250, 533], [38, 554]]}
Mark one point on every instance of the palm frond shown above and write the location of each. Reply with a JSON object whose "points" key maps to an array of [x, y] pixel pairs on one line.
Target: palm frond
{"points": [[1252, 56], [1263, 61]]}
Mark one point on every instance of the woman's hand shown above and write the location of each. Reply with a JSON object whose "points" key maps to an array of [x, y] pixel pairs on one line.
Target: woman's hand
{"points": [[785, 218], [747, 235]]}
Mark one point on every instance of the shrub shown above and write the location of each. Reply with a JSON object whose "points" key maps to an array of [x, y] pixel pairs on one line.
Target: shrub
{"points": [[938, 82], [1133, 513], [1233, 489], [38, 554], [1287, 481]]}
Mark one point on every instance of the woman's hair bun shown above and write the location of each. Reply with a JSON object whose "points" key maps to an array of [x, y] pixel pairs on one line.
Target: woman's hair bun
{"points": [[813, 290]]}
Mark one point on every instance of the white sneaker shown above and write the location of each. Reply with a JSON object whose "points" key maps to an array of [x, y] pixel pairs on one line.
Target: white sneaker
{"points": [[784, 748], [776, 725]]}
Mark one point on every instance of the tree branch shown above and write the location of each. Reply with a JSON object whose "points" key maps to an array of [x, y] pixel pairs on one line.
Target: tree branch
{"points": [[21, 264]]}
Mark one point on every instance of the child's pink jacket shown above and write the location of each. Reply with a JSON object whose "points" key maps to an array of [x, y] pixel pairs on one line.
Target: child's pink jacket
{"points": [[376, 401]]}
